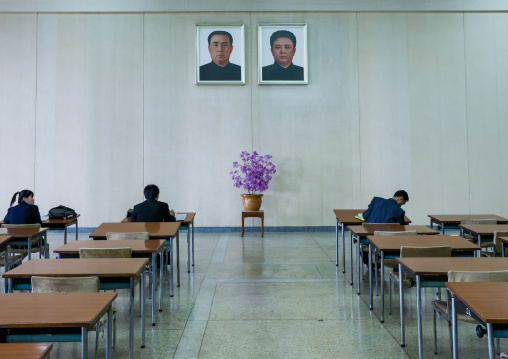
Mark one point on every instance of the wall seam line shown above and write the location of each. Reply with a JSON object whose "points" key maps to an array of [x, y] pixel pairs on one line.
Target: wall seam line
{"points": [[35, 99], [358, 104], [467, 116]]}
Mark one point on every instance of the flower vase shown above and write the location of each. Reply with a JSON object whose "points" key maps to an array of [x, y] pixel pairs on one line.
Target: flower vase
{"points": [[251, 202]]}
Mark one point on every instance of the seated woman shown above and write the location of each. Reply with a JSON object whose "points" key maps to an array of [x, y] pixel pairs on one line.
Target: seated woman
{"points": [[25, 212]]}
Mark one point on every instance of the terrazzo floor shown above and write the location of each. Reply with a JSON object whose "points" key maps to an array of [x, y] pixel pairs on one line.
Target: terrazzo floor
{"points": [[280, 296]]}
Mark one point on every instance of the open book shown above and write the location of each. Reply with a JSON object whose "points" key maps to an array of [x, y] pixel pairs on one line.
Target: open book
{"points": [[180, 216]]}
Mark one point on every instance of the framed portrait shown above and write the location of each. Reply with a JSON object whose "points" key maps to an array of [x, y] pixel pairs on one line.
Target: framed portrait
{"points": [[282, 51], [220, 55]]}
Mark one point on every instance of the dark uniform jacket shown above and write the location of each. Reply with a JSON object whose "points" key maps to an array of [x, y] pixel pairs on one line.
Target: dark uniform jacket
{"points": [[384, 211], [276, 72], [23, 213], [152, 210], [214, 72]]}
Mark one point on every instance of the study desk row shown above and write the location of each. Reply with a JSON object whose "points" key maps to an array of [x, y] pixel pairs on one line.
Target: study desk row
{"points": [[69, 315]]}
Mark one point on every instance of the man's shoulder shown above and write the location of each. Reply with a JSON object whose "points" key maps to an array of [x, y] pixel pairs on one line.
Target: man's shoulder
{"points": [[234, 66]]}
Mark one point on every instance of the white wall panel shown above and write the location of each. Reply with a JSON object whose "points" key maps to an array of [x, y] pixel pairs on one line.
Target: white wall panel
{"points": [[89, 114], [192, 133], [487, 110], [385, 125], [439, 166], [17, 104], [312, 130]]}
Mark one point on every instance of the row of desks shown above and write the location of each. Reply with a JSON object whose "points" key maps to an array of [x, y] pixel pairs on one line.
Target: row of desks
{"points": [[113, 273]]}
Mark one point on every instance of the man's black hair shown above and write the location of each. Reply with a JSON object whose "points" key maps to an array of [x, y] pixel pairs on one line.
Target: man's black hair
{"points": [[283, 33], [151, 191], [403, 194], [220, 32]]}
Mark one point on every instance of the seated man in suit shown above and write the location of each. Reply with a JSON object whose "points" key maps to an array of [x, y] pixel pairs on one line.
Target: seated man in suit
{"points": [[152, 210], [387, 210]]}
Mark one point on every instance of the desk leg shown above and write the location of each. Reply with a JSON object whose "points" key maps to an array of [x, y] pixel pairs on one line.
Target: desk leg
{"points": [[480, 245], [381, 283], [161, 275], [84, 343], [192, 235], [370, 277], [6, 268], [46, 245], [343, 250], [142, 299], [419, 316], [177, 259], [153, 281], [188, 249], [490, 336], [171, 261], [131, 316], [109, 336], [65, 234], [454, 330], [358, 264], [243, 219], [76, 229], [350, 256], [502, 250], [29, 248], [401, 304], [336, 242]]}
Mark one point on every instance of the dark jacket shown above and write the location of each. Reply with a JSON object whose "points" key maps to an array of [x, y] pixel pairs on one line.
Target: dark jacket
{"points": [[152, 210], [384, 211], [23, 213], [275, 72], [214, 72]]}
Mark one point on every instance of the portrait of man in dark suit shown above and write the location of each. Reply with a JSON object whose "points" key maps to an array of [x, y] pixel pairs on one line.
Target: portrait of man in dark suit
{"points": [[283, 54], [220, 46]]}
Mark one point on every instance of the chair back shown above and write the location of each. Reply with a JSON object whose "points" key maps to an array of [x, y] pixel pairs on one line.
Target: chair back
{"points": [[381, 224], [478, 276], [133, 235], [497, 242], [65, 284], [32, 225], [479, 221], [125, 252], [435, 251], [401, 233]]}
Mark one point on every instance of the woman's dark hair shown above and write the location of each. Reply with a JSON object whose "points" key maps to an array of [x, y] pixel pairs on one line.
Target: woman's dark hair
{"points": [[22, 194], [151, 191]]}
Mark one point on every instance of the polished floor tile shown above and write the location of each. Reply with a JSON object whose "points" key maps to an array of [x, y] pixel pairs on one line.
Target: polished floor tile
{"points": [[280, 296]]}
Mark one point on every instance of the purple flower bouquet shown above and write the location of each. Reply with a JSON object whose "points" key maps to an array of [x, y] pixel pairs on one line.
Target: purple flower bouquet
{"points": [[254, 173]]}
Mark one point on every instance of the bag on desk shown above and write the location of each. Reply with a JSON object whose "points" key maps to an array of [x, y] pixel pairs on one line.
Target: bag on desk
{"points": [[61, 212]]}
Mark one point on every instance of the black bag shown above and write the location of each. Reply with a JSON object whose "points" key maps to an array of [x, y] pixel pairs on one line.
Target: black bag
{"points": [[61, 212]]}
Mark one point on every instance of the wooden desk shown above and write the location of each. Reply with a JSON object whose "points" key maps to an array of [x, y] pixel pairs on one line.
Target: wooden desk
{"points": [[485, 302], [389, 248], [433, 272], [361, 232], [156, 230], [24, 237], [346, 217], [504, 241], [454, 220], [62, 223], [188, 223], [56, 313], [255, 214], [482, 231], [25, 350], [140, 249], [114, 273]]}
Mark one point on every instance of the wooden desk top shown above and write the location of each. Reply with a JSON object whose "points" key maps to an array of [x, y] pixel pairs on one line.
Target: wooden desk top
{"points": [[503, 239], [369, 229], [486, 300], [59, 222], [23, 232], [4, 240], [457, 218], [25, 350], [83, 267], [483, 229], [347, 216], [157, 230], [53, 310], [138, 246], [188, 218], [441, 266], [393, 243]]}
